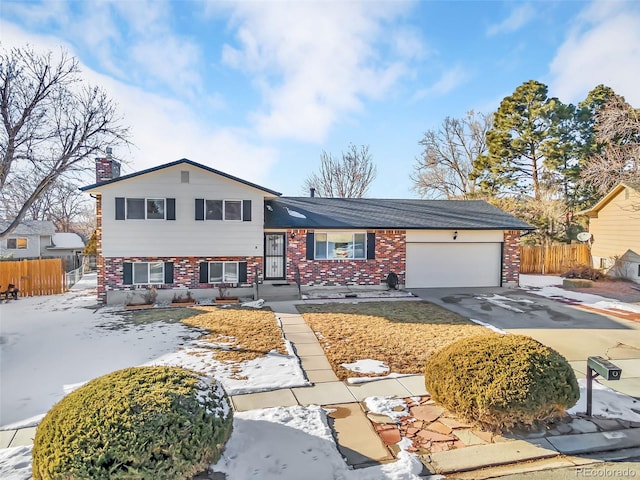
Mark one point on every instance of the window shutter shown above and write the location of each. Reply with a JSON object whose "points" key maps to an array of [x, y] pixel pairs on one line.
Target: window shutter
{"points": [[242, 272], [127, 273], [310, 245], [168, 272], [246, 210], [371, 246], [199, 208], [119, 208], [171, 208], [204, 272]]}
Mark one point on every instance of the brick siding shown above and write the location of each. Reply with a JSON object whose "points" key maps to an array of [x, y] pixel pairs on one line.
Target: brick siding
{"points": [[511, 258], [390, 256]]}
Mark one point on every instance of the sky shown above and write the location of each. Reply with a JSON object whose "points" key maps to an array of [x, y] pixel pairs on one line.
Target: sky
{"points": [[260, 89]]}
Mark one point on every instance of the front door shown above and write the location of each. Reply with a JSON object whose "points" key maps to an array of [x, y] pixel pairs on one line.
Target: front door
{"points": [[274, 256]]}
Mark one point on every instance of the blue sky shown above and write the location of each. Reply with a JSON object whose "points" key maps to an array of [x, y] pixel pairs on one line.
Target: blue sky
{"points": [[260, 89]]}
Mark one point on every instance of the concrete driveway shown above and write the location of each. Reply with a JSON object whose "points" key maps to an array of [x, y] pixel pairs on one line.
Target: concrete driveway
{"points": [[575, 333]]}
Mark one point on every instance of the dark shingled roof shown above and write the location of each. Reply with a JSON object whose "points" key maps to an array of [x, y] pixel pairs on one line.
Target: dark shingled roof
{"points": [[370, 213]]}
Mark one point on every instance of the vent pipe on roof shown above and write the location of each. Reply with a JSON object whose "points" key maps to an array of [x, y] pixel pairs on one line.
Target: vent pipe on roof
{"points": [[312, 192]]}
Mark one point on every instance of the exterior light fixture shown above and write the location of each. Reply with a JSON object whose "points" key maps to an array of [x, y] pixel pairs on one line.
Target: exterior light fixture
{"points": [[455, 234]]}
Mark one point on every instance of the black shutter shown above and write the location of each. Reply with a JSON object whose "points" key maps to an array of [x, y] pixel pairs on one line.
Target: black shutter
{"points": [[204, 272], [171, 208], [119, 208], [127, 273], [199, 208], [246, 210], [371, 246], [310, 245], [242, 272], [168, 272]]}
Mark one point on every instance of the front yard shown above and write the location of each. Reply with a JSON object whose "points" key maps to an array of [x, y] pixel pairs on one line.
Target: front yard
{"points": [[400, 334]]}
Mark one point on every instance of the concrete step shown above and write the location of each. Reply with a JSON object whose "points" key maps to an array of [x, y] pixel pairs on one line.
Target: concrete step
{"points": [[278, 292]]}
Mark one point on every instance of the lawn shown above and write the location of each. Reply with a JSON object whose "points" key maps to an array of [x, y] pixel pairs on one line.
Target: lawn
{"points": [[401, 334]]}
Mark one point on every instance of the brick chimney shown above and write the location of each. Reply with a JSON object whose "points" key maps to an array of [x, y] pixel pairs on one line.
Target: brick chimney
{"points": [[107, 168]]}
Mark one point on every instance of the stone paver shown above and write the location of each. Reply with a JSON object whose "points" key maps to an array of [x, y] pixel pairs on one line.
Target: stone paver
{"points": [[308, 349], [321, 376], [302, 337], [329, 393], [388, 387], [415, 385], [296, 328], [469, 458], [595, 442], [24, 437], [291, 319], [274, 398], [357, 440], [5, 437]]}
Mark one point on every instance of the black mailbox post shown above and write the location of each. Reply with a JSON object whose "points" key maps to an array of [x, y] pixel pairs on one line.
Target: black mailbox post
{"points": [[602, 367]]}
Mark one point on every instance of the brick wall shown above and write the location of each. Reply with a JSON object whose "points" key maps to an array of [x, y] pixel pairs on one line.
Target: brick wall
{"points": [[511, 258], [186, 271], [106, 169], [390, 256]]}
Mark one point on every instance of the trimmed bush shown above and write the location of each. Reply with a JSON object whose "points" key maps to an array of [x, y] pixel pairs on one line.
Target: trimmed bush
{"points": [[585, 272], [502, 381], [137, 423]]}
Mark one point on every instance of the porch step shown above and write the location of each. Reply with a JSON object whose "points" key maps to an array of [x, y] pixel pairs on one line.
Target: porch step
{"points": [[278, 291]]}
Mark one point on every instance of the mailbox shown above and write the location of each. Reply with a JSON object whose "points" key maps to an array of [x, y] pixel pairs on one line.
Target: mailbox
{"points": [[604, 368]]}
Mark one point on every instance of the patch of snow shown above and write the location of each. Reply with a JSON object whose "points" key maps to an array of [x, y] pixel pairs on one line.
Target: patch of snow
{"points": [[607, 403], [15, 463], [293, 442], [539, 281], [366, 366], [501, 301], [587, 299], [386, 406], [293, 213], [489, 326], [357, 380], [255, 304]]}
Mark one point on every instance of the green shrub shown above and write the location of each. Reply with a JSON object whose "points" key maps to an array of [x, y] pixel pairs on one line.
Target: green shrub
{"points": [[137, 423], [502, 381]]}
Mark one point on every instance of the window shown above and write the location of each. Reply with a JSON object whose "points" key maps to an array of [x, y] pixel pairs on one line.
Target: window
{"points": [[16, 243], [228, 210], [340, 245], [145, 208], [223, 272], [184, 176], [148, 272]]}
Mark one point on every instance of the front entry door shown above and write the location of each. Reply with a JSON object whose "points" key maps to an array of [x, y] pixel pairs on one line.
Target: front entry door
{"points": [[274, 256]]}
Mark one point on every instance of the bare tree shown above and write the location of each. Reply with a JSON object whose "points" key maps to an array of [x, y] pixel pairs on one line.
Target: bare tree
{"points": [[617, 129], [444, 169], [349, 177], [52, 123]]}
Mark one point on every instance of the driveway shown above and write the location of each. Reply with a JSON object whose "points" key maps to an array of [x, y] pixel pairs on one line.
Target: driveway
{"points": [[558, 323]]}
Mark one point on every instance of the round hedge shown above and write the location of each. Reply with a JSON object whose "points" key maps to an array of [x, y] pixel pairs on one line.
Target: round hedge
{"points": [[143, 423], [502, 381]]}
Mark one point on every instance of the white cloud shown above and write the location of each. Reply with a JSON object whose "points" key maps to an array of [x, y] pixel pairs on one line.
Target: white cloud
{"points": [[315, 61], [165, 129], [447, 82], [519, 17], [602, 47]]}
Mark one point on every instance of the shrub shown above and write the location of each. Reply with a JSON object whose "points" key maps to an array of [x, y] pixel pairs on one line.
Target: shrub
{"points": [[584, 271], [137, 423], [502, 381]]}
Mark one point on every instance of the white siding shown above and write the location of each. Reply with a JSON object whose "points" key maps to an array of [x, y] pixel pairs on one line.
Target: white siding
{"points": [[33, 250], [184, 236]]}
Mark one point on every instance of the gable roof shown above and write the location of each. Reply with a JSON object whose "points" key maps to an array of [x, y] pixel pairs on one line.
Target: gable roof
{"points": [[593, 211], [66, 240], [369, 213], [31, 227], [173, 164]]}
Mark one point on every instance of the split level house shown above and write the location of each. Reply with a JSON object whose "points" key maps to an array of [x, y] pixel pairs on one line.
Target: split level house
{"points": [[183, 225], [614, 224]]}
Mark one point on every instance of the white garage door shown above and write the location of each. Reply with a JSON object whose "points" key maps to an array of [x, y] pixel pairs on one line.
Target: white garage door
{"points": [[432, 265]]}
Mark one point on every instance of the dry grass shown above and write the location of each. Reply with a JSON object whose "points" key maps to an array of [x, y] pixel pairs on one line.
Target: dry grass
{"points": [[246, 333], [400, 334]]}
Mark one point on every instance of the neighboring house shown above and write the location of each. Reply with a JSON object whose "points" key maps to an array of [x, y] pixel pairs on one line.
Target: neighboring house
{"points": [[614, 223], [68, 246], [30, 239], [186, 225]]}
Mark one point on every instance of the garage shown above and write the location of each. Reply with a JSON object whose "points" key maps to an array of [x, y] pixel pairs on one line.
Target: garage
{"points": [[453, 264]]}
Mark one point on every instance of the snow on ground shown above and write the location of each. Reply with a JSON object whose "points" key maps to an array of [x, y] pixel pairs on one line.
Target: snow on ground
{"points": [[550, 286], [607, 403], [53, 344], [366, 366], [392, 407]]}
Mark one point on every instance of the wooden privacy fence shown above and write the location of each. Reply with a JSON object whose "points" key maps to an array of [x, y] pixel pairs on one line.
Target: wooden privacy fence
{"points": [[553, 258], [34, 277]]}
